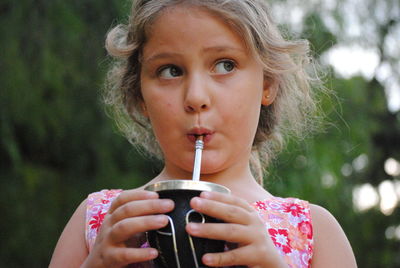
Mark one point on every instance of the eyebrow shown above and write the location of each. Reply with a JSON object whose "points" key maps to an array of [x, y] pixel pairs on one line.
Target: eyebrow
{"points": [[163, 55], [166, 55], [223, 48]]}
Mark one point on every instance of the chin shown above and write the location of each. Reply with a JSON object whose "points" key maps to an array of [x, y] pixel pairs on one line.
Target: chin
{"points": [[209, 168]]}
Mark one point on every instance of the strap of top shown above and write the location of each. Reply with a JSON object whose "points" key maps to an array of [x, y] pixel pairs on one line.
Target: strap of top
{"points": [[97, 207]]}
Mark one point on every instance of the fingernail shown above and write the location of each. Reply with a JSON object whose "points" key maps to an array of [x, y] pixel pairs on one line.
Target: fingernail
{"points": [[167, 204], [206, 194], [197, 202], [193, 227], [150, 194], [161, 219], [207, 259], [153, 253]]}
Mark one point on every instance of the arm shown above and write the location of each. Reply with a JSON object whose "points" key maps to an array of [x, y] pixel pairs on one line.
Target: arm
{"points": [[71, 248], [131, 213], [331, 247]]}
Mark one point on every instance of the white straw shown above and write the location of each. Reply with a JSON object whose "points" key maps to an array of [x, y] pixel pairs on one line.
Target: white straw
{"points": [[197, 159]]}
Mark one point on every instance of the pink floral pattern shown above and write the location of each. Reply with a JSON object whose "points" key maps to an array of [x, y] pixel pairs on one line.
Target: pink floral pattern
{"points": [[97, 206], [287, 220]]}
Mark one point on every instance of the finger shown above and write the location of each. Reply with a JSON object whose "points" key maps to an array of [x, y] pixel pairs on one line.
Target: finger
{"points": [[131, 195], [226, 212], [124, 256], [141, 208], [239, 256], [235, 233], [125, 229], [227, 198]]}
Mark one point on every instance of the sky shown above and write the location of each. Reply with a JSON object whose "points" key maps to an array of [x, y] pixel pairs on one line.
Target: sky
{"points": [[356, 52], [349, 61]]}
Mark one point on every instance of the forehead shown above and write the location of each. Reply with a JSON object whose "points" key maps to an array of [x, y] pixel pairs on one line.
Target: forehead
{"points": [[182, 26]]}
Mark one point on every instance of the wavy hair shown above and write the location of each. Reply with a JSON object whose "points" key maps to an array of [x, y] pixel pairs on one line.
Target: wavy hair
{"points": [[285, 63]]}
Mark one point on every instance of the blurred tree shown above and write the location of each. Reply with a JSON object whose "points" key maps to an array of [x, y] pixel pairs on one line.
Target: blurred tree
{"points": [[57, 145], [363, 133]]}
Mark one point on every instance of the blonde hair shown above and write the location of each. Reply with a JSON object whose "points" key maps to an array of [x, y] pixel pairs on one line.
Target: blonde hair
{"points": [[285, 63]]}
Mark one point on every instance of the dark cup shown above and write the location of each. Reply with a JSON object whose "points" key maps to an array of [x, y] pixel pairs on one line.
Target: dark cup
{"points": [[176, 247]]}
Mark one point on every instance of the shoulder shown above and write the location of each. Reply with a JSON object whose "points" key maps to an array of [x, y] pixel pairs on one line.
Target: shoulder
{"points": [[331, 246], [73, 245], [71, 248]]}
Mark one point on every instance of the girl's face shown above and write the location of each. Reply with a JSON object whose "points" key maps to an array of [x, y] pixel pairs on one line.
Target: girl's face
{"points": [[198, 78]]}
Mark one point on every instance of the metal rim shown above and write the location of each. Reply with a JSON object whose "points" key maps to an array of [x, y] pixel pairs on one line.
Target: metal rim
{"points": [[187, 185]]}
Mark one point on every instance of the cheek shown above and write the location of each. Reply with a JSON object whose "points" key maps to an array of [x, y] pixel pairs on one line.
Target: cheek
{"points": [[244, 101], [157, 103], [240, 116], [162, 114], [242, 110]]}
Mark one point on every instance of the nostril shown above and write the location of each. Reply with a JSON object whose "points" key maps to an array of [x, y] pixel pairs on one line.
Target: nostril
{"points": [[196, 108], [189, 108]]}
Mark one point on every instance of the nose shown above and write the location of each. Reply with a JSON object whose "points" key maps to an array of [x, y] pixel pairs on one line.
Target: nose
{"points": [[197, 95]]}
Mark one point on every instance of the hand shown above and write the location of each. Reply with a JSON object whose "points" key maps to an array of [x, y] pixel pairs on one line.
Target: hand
{"points": [[131, 213], [241, 225]]}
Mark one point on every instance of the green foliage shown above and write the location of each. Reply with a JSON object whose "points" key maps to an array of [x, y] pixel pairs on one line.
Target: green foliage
{"points": [[57, 145], [316, 32]]}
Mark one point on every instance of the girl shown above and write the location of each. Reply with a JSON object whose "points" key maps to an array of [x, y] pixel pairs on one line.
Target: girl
{"points": [[221, 70]]}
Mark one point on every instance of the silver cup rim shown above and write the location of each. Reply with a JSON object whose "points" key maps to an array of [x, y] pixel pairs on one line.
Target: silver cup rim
{"points": [[187, 185]]}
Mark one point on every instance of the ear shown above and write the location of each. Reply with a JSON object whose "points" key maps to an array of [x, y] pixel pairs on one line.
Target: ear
{"points": [[143, 109], [269, 92]]}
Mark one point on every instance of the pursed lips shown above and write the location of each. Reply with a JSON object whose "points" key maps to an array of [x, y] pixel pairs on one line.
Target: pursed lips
{"points": [[194, 133]]}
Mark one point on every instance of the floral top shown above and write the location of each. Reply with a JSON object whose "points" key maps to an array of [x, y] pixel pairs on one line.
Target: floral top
{"points": [[287, 220]]}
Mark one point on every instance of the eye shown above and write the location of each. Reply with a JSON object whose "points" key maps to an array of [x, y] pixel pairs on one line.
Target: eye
{"points": [[224, 66], [169, 71]]}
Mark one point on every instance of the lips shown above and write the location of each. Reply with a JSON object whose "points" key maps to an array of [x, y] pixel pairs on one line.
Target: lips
{"points": [[194, 133]]}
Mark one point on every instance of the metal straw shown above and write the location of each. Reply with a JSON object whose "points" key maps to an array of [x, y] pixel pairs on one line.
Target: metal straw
{"points": [[197, 158]]}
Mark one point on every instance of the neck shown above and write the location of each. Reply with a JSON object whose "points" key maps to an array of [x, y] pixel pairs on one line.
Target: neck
{"points": [[238, 179], [229, 176]]}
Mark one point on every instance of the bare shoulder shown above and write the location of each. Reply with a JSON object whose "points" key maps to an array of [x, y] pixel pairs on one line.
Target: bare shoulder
{"points": [[71, 250], [331, 246]]}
